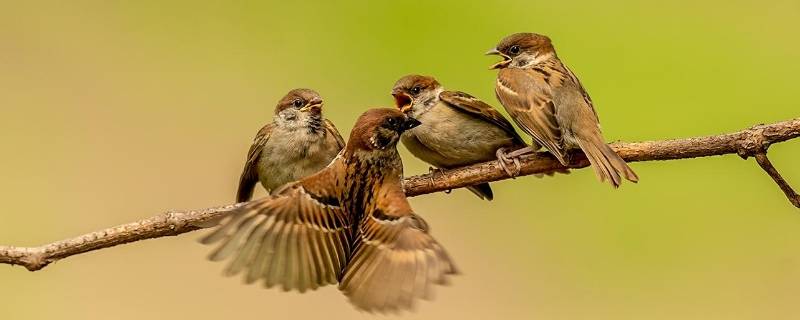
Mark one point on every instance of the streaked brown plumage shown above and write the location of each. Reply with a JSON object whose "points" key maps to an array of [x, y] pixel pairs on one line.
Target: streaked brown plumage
{"points": [[457, 129], [298, 143], [548, 102], [349, 224]]}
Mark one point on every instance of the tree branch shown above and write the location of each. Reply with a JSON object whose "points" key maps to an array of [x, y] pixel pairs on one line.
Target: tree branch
{"points": [[750, 142]]}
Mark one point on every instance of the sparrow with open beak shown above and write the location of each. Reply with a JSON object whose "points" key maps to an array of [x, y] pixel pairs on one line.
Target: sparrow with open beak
{"points": [[349, 224], [457, 129], [548, 102], [298, 143]]}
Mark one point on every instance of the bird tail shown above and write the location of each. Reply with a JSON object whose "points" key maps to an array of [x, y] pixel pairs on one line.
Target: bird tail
{"points": [[483, 191], [607, 164]]}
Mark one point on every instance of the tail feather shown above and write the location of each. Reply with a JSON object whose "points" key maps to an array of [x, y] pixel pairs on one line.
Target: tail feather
{"points": [[483, 191], [607, 164]]}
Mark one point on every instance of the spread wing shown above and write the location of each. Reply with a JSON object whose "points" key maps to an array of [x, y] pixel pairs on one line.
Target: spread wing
{"points": [[528, 98], [331, 129], [297, 238], [474, 106], [395, 261], [249, 177]]}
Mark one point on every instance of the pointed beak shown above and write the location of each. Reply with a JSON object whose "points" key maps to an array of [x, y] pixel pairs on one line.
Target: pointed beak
{"points": [[410, 123], [402, 101], [502, 64], [313, 104]]}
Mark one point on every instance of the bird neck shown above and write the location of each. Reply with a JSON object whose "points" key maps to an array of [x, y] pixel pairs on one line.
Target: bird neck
{"points": [[427, 103]]}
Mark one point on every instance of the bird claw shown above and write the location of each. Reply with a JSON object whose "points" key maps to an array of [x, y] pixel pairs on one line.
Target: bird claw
{"points": [[504, 159], [431, 172]]}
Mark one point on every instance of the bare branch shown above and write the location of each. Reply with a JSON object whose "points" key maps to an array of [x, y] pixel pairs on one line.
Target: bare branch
{"points": [[166, 224], [750, 142], [765, 164]]}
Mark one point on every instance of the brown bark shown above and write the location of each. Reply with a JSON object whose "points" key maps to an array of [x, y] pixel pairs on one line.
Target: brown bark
{"points": [[746, 143]]}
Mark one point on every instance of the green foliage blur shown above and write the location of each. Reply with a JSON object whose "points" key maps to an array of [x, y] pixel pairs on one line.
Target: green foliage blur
{"points": [[112, 111]]}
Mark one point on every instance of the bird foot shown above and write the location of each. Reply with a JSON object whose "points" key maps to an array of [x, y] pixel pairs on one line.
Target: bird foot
{"points": [[432, 171], [504, 159]]}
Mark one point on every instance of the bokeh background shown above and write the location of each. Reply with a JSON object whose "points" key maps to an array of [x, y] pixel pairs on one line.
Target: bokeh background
{"points": [[112, 111]]}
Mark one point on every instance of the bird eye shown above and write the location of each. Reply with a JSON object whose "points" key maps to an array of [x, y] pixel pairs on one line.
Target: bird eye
{"points": [[415, 90], [514, 49], [297, 103], [392, 122]]}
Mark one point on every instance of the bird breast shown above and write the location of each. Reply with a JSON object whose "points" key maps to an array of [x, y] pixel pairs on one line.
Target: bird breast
{"points": [[290, 155], [449, 138]]}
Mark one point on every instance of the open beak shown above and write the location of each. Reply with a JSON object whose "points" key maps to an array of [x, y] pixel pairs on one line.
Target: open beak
{"points": [[402, 101], [502, 64], [315, 104]]}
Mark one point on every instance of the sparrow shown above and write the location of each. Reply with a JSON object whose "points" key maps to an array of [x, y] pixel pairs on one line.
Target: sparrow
{"points": [[349, 223], [457, 129], [297, 143], [548, 102]]}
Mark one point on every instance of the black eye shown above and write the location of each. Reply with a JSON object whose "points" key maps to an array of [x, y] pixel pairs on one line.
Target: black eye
{"points": [[392, 122], [297, 103], [415, 90], [514, 49]]}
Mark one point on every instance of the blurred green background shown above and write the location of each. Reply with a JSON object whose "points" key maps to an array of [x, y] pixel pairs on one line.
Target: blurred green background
{"points": [[112, 111]]}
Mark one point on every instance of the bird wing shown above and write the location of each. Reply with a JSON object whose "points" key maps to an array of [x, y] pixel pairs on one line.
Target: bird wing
{"points": [[395, 260], [528, 98], [331, 129], [586, 98], [249, 177], [298, 237], [475, 107]]}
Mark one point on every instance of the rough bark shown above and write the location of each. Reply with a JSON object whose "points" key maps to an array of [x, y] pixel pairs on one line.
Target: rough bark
{"points": [[752, 142]]}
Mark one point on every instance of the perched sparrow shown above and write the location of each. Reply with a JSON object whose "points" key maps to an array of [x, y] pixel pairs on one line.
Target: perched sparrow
{"points": [[298, 143], [548, 102], [349, 223], [457, 129]]}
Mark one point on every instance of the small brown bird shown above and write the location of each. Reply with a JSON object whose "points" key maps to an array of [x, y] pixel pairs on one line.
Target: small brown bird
{"points": [[298, 143], [457, 129], [349, 223], [548, 102]]}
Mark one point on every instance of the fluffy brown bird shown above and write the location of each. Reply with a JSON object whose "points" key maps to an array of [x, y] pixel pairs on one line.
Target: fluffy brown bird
{"points": [[349, 223], [298, 143], [457, 129], [548, 102]]}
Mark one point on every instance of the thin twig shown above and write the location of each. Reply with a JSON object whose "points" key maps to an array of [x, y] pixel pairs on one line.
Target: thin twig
{"points": [[765, 164], [749, 142]]}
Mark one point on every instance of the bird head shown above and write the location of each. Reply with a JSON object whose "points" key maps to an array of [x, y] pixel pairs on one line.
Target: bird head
{"points": [[300, 108], [522, 49], [379, 129], [413, 94]]}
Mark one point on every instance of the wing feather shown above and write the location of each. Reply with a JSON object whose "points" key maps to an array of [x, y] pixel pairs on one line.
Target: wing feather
{"points": [[395, 261], [249, 177], [528, 99], [475, 107], [290, 238]]}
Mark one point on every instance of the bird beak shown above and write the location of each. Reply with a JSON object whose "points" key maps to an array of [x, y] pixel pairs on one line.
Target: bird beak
{"points": [[313, 104], [410, 123], [502, 64], [402, 101]]}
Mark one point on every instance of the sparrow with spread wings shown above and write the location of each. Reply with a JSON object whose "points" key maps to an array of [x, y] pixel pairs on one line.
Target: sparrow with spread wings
{"points": [[349, 224], [549, 103], [296, 144]]}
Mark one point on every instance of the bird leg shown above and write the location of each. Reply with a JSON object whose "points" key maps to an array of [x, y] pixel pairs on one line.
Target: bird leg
{"points": [[431, 171], [512, 157]]}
